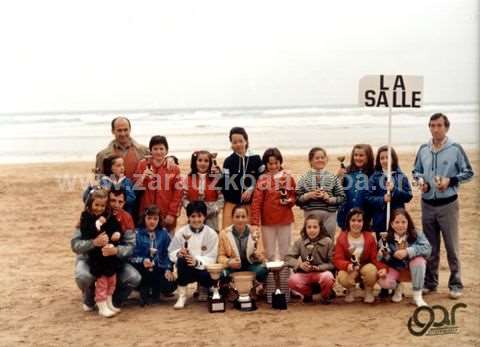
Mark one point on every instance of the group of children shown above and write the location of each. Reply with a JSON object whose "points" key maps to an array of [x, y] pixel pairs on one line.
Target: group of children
{"points": [[256, 197]]}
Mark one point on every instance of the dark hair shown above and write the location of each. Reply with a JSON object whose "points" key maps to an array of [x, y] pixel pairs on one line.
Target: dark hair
{"points": [[151, 210], [436, 116], [378, 166], [239, 207], [314, 150], [354, 211], [368, 167], [158, 140], [118, 118], [411, 232], [193, 161], [239, 131], [118, 191], [108, 163], [196, 206], [323, 231], [272, 152]]}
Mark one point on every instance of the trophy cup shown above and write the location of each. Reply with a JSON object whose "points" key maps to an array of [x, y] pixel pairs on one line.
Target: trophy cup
{"points": [[355, 258], [279, 299], [382, 245], [310, 253], [153, 250], [186, 236], [281, 180], [418, 183], [148, 158], [243, 283], [341, 159], [214, 162], [216, 303]]}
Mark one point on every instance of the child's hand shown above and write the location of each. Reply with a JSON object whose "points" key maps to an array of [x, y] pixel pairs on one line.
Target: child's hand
{"points": [[234, 263], [102, 220], [401, 254], [246, 195], [183, 252], [101, 240], [382, 273], [389, 186], [191, 261], [116, 236], [147, 172], [170, 277], [352, 268], [305, 266], [147, 263], [387, 198], [171, 163]]}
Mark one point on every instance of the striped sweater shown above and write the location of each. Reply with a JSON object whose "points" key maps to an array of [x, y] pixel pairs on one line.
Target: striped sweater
{"points": [[325, 180]]}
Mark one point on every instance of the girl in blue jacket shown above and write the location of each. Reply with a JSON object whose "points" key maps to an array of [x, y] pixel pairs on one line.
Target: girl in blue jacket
{"points": [[406, 250], [398, 192], [150, 257], [355, 183]]}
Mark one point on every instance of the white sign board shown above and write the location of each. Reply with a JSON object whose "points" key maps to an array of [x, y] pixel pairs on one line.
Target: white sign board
{"points": [[392, 91]]}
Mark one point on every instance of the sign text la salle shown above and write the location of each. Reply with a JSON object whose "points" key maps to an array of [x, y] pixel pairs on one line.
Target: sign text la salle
{"points": [[395, 91]]}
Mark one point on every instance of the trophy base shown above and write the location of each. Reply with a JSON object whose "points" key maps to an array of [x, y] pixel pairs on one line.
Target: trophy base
{"points": [[246, 306], [279, 301], [216, 305]]}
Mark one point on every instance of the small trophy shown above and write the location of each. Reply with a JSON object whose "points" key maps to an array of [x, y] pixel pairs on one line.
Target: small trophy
{"points": [[341, 159], [153, 250], [310, 253], [355, 259], [243, 283], [279, 299], [255, 238], [382, 246], [148, 158], [282, 187], [401, 244], [216, 303], [186, 236], [214, 163]]}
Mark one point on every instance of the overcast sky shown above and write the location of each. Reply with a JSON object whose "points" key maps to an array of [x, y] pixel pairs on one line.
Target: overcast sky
{"points": [[94, 55]]}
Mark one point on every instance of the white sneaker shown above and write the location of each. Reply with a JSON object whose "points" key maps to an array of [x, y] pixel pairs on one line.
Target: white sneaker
{"points": [[398, 294], [349, 296], [103, 309], [418, 299], [87, 308], [182, 298], [455, 294], [369, 298], [110, 305]]}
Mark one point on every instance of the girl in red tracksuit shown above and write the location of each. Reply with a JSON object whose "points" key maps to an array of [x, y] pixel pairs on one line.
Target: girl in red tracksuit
{"points": [[200, 184], [272, 205], [160, 185]]}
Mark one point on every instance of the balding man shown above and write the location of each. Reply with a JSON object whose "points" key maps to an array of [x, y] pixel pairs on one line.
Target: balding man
{"points": [[130, 150]]}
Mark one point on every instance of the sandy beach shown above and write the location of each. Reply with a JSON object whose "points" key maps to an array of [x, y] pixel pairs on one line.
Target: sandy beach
{"points": [[41, 305]]}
